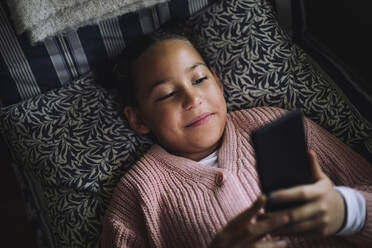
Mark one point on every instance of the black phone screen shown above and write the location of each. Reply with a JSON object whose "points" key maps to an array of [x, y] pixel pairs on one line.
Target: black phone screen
{"points": [[281, 154]]}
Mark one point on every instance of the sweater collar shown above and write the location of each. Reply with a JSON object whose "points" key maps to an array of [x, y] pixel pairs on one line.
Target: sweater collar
{"points": [[194, 170]]}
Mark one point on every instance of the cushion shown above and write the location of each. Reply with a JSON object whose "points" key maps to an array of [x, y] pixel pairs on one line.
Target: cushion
{"points": [[43, 19], [28, 70], [260, 65], [70, 146]]}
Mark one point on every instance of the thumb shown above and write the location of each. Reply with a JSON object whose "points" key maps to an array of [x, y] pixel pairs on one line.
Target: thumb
{"points": [[315, 166], [244, 217]]}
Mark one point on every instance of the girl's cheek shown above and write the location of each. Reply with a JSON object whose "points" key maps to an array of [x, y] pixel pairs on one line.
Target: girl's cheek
{"points": [[165, 110]]}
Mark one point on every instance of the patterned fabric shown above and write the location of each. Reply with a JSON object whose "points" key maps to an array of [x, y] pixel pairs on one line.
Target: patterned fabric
{"points": [[260, 66], [69, 151], [70, 145], [28, 70]]}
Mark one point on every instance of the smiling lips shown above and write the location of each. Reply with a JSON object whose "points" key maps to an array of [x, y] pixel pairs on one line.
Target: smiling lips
{"points": [[200, 120]]}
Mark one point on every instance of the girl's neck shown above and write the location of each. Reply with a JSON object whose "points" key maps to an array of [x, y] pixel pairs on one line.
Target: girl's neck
{"points": [[197, 156]]}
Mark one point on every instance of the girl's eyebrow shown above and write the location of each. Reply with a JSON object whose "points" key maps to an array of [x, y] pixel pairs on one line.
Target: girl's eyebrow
{"points": [[156, 83], [196, 65]]}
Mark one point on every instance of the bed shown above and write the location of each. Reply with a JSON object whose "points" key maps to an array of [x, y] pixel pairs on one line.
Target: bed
{"points": [[61, 119]]}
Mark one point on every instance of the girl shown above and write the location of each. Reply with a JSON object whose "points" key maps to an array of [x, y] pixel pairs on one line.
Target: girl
{"points": [[198, 186]]}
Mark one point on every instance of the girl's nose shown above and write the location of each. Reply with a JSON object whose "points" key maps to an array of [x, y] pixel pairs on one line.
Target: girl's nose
{"points": [[191, 99]]}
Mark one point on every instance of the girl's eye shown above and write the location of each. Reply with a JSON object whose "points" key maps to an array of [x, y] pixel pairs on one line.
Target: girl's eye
{"points": [[200, 80], [165, 97]]}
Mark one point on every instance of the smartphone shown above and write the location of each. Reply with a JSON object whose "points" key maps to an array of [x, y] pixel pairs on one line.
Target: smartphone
{"points": [[281, 155]]}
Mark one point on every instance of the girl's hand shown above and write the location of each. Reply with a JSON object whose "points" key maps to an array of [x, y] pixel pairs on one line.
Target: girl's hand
{"points": [[324, 211], [241, 232]]}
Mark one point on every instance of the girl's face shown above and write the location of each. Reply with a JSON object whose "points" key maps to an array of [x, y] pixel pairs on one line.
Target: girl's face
{"points": [[179, 99]]}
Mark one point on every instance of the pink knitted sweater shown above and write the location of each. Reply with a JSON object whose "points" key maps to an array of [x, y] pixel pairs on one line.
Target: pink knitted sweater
{"points": [[171, 201]]}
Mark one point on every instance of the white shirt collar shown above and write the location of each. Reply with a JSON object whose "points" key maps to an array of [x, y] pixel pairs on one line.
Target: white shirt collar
{"points": [[210, 160]]}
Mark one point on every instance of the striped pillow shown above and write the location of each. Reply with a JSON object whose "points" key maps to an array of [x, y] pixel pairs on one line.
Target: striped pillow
{"points": [[27, 70]]}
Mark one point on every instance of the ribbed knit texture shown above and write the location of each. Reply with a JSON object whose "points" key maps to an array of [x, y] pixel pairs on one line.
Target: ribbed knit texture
{"points": [[44, 18], [170, 201]]}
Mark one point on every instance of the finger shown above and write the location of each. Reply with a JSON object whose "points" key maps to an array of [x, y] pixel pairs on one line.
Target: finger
{"points": [[247, 215], [308, 234], [305, 212], [300, 193], [271, 215], [309, 211], [230, 233], [315, 225], [254, 231], [315, 166], [268, 244]]}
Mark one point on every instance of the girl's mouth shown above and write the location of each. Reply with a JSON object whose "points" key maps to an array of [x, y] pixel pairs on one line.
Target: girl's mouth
{"points": [[200, 120]]}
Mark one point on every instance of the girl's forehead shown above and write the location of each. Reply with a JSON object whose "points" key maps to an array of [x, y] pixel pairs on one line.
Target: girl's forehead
{"points": [[169, 53], [165, 60], [170, 46]]}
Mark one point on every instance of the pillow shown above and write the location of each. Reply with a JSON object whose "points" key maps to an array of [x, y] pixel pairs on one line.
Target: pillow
{"points": [[260, 65], [43, 19], [28, 70], [70, 146]]}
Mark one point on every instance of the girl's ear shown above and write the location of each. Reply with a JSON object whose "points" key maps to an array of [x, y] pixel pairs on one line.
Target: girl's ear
{"points": [[216, 78], [135, 121]]}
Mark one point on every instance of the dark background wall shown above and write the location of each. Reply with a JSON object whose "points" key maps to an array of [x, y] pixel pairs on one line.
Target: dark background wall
{"points": [[16, 230], [345, 27]]}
